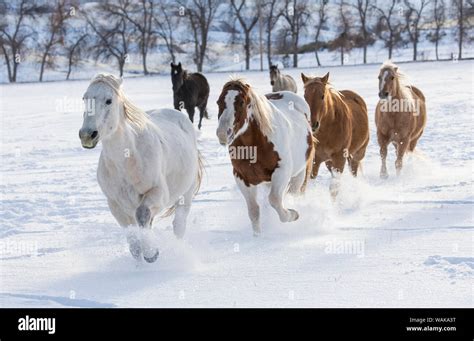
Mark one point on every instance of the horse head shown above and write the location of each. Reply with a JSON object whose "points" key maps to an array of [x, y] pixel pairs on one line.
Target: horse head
{"points": [[274, 74], [177, 75], [315, 93]]}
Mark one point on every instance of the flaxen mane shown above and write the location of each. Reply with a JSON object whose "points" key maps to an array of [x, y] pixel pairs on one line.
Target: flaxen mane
{"points": [[137, 118], [403, 88], [335, 101]]}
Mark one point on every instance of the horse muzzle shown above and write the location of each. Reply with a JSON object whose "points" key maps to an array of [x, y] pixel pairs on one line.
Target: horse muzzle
{"points": [[383, 95], [272, 83], [89, 138]]}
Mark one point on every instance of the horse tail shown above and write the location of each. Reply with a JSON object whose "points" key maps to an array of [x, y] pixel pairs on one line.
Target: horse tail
{"points": [[200, 172], [309, 163]]}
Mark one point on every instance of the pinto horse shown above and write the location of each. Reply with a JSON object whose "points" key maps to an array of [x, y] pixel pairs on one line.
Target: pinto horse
{"points": [[140, 171], [400, 115], [277, 128], [190, 90], [340, 124]]}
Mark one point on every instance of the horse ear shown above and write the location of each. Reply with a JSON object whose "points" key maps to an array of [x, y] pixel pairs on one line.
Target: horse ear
{"points": [[172, 64], [304, 78], [179, 64], [395, 69], [325, 78]]}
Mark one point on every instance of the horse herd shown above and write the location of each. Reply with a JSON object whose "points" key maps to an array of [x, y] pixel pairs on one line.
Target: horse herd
{"points": [[150, 164]]}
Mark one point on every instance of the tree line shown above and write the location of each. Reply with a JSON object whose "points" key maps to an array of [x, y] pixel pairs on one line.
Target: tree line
{"points": [[112, 30]]}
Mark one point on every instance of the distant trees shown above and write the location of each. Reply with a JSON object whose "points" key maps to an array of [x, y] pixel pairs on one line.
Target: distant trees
{"points": [[247, 15], [439, 20], [15, 33], [321, 21], [413, 17], [54, 30], [200, 14], [296, 15], [120, 31]]}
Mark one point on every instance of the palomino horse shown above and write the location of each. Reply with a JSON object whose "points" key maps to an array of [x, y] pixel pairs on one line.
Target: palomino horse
{"points": [[190, 90], [278, 130], [400, 115], [281, 82], [340, 124], [149, 161]]}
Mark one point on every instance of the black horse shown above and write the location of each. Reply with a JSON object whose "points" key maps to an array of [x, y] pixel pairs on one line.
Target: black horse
{"points": [[190, 90]]}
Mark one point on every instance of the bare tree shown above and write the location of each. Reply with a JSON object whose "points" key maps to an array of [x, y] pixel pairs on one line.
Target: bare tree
{"points": [[439, 19], [322, 18], [461, 18], [247, 15], [413, 17], [344, 41], [112, 35], [363, 7], [271, 13], [75, 42], [388, 28], [166, 18], [296, 15], [200, 13], [140, 14], [15, 33], [55, 29]]}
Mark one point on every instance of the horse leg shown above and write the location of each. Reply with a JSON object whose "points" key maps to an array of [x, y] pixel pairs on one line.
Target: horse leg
{"points": [[279, 184], [202, 112], [190, 111], [414, 141], [183, 206], [124, 221], [336, 167], [401, 149], [250, 195], [296, 182], [383, 143], [144, 217], [316, 164]]}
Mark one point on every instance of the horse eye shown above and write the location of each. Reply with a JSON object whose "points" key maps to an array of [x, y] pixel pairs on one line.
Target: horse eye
{"points": [[109, 101], [322, 97], [379, 77], [392, 78]]}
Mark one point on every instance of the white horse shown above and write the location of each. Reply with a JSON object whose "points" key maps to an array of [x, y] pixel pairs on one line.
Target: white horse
{"points": [[276, 128], [281, 82], [149, 162]]}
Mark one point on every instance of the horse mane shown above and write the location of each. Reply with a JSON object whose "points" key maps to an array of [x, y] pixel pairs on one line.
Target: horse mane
{"points": [[137, 118], [261, 110], [403, 88]]}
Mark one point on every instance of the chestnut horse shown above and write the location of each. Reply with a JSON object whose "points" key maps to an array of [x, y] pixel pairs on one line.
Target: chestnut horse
{"points": [[340, 124], [400, 115], [276, 128]]}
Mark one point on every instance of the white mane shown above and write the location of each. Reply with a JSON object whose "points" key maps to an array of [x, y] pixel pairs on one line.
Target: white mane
{"points": [[137, 118], [260, 107]]}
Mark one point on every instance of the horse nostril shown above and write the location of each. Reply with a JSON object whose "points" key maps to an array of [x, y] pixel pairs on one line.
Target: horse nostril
{"points": [[94, 134], [386, 94]]}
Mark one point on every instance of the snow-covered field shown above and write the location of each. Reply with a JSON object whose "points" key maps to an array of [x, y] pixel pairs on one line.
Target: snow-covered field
{"points": [[401, 242]]}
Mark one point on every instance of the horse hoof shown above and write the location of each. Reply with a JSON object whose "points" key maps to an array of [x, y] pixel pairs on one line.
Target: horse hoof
{"points": [[153, 258], [143, 215], [383, 176], [294, 215], [135, 251]]}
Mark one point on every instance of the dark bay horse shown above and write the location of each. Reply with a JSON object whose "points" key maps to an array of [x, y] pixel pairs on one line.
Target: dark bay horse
{"points": [[190, 90]]}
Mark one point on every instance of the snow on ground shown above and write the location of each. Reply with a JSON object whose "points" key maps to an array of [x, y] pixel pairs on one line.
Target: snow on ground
{"points": [[401, 242]]}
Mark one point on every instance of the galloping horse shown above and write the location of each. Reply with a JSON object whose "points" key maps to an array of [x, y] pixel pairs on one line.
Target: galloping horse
{"points": [[149, 161], [277, 128], [340, 124], [190, 90], [281, 82], [400, 115]]}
